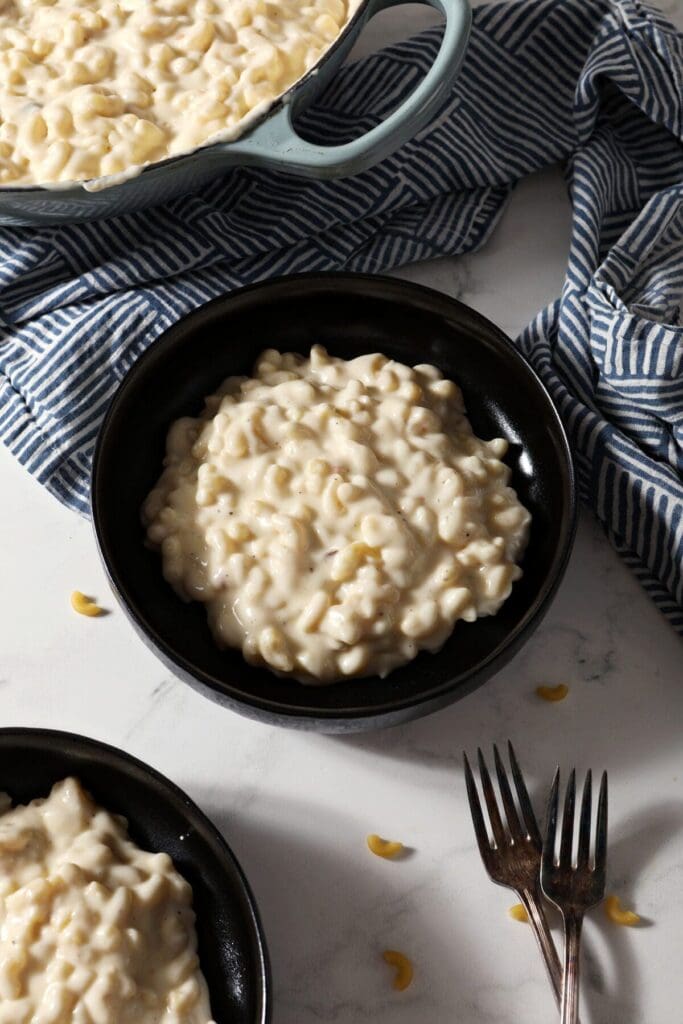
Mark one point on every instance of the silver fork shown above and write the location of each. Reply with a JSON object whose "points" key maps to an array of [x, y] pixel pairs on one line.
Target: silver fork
{"points": [[574, 889], [514, 858]]}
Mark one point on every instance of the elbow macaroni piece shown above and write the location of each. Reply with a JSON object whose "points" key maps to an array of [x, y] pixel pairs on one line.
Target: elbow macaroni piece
{"points": [[84, 605], [336, 517], [403, 966], [384, 847], [90, 88], [92, 928], [553, 694], [618, 915], [518, 913]]}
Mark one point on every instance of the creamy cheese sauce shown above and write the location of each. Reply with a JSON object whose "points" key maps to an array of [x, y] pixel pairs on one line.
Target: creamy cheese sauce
{"points": [[93, 930], [336, 517], [92, 88]]}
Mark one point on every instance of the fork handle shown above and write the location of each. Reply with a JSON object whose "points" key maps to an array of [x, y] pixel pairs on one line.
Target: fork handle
{"points": [[533, 904], [570, 985]]}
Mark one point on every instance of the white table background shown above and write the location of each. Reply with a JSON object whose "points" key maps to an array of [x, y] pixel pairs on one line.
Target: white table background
{"points": [[296, 808]]}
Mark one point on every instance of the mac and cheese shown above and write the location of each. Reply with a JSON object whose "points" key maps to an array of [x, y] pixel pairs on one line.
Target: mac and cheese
{"points": [[92, 88], [93, 930], [336, 517]]}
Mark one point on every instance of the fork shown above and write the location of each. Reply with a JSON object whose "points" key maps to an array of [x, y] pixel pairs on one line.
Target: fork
{"points": [[574, 889], [514, 859]]}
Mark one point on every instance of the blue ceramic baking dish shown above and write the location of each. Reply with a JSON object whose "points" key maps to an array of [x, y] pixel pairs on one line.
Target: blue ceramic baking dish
{"points": [[270, 142]]}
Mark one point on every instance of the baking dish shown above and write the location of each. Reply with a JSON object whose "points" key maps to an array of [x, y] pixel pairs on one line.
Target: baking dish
{"points": [[271, 141]]}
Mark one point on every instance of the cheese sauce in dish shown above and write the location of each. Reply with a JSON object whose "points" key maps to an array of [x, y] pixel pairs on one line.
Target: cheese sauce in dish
{"points": [[335, 516], [93, 930], [92, 88]]}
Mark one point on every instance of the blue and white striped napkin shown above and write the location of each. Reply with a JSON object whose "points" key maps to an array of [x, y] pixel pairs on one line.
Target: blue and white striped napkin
{"points": [[596, 84]]}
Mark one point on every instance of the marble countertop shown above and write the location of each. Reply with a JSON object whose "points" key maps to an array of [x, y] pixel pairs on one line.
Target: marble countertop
{"points": [[296, 808]]}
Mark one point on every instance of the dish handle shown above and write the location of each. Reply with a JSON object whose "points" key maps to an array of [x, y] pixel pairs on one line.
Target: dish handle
{"points": [[276, 143]]}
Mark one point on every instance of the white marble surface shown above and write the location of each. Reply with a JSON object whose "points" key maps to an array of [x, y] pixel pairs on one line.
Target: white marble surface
{"points": [[296, 808]]}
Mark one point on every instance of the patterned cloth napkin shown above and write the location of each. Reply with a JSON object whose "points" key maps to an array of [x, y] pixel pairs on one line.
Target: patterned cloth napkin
{"points": [[595, 84]]}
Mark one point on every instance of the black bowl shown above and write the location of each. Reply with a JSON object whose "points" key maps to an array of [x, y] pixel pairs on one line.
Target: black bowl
{"points": [[349, 314], [232, 951]]}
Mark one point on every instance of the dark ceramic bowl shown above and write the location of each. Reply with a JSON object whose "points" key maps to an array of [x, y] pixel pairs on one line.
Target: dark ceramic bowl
{"points": [[349, 314], [232, 950]]}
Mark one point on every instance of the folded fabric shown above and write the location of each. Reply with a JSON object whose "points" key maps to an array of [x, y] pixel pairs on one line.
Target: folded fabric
{"points": [[596, 84]]}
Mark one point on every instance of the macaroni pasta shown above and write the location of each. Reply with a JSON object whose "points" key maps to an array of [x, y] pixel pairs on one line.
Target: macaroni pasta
{"points": [[386, 848], [403, 967], [85, 605], [552, 694], [618, 914], [92, 88]]}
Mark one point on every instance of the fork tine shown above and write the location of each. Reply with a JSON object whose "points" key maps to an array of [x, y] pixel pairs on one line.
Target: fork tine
{"points": [[548, 862], [601, 827], [568, 822], [506, 796], [585, 823], [477, 817], [523, 797], [491, 802]]}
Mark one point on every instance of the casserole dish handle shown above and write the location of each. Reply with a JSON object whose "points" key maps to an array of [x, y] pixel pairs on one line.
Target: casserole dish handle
{"points": [[275, 142]]}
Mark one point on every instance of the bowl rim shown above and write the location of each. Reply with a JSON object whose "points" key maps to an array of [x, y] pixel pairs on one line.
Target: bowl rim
{"points": [[118, 758], [371, 285]]}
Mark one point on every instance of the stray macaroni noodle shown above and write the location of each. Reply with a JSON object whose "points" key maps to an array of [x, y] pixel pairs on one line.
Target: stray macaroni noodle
{"points": [[552, 693], [404, 968], [93, 930], [84, 605], [518, 913], [336, 517], [92, 88], [618, 915], [384, 847]]}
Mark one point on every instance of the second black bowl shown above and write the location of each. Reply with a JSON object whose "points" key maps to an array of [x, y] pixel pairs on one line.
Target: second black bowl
{"points": [[162, 819], [348, 314]]}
